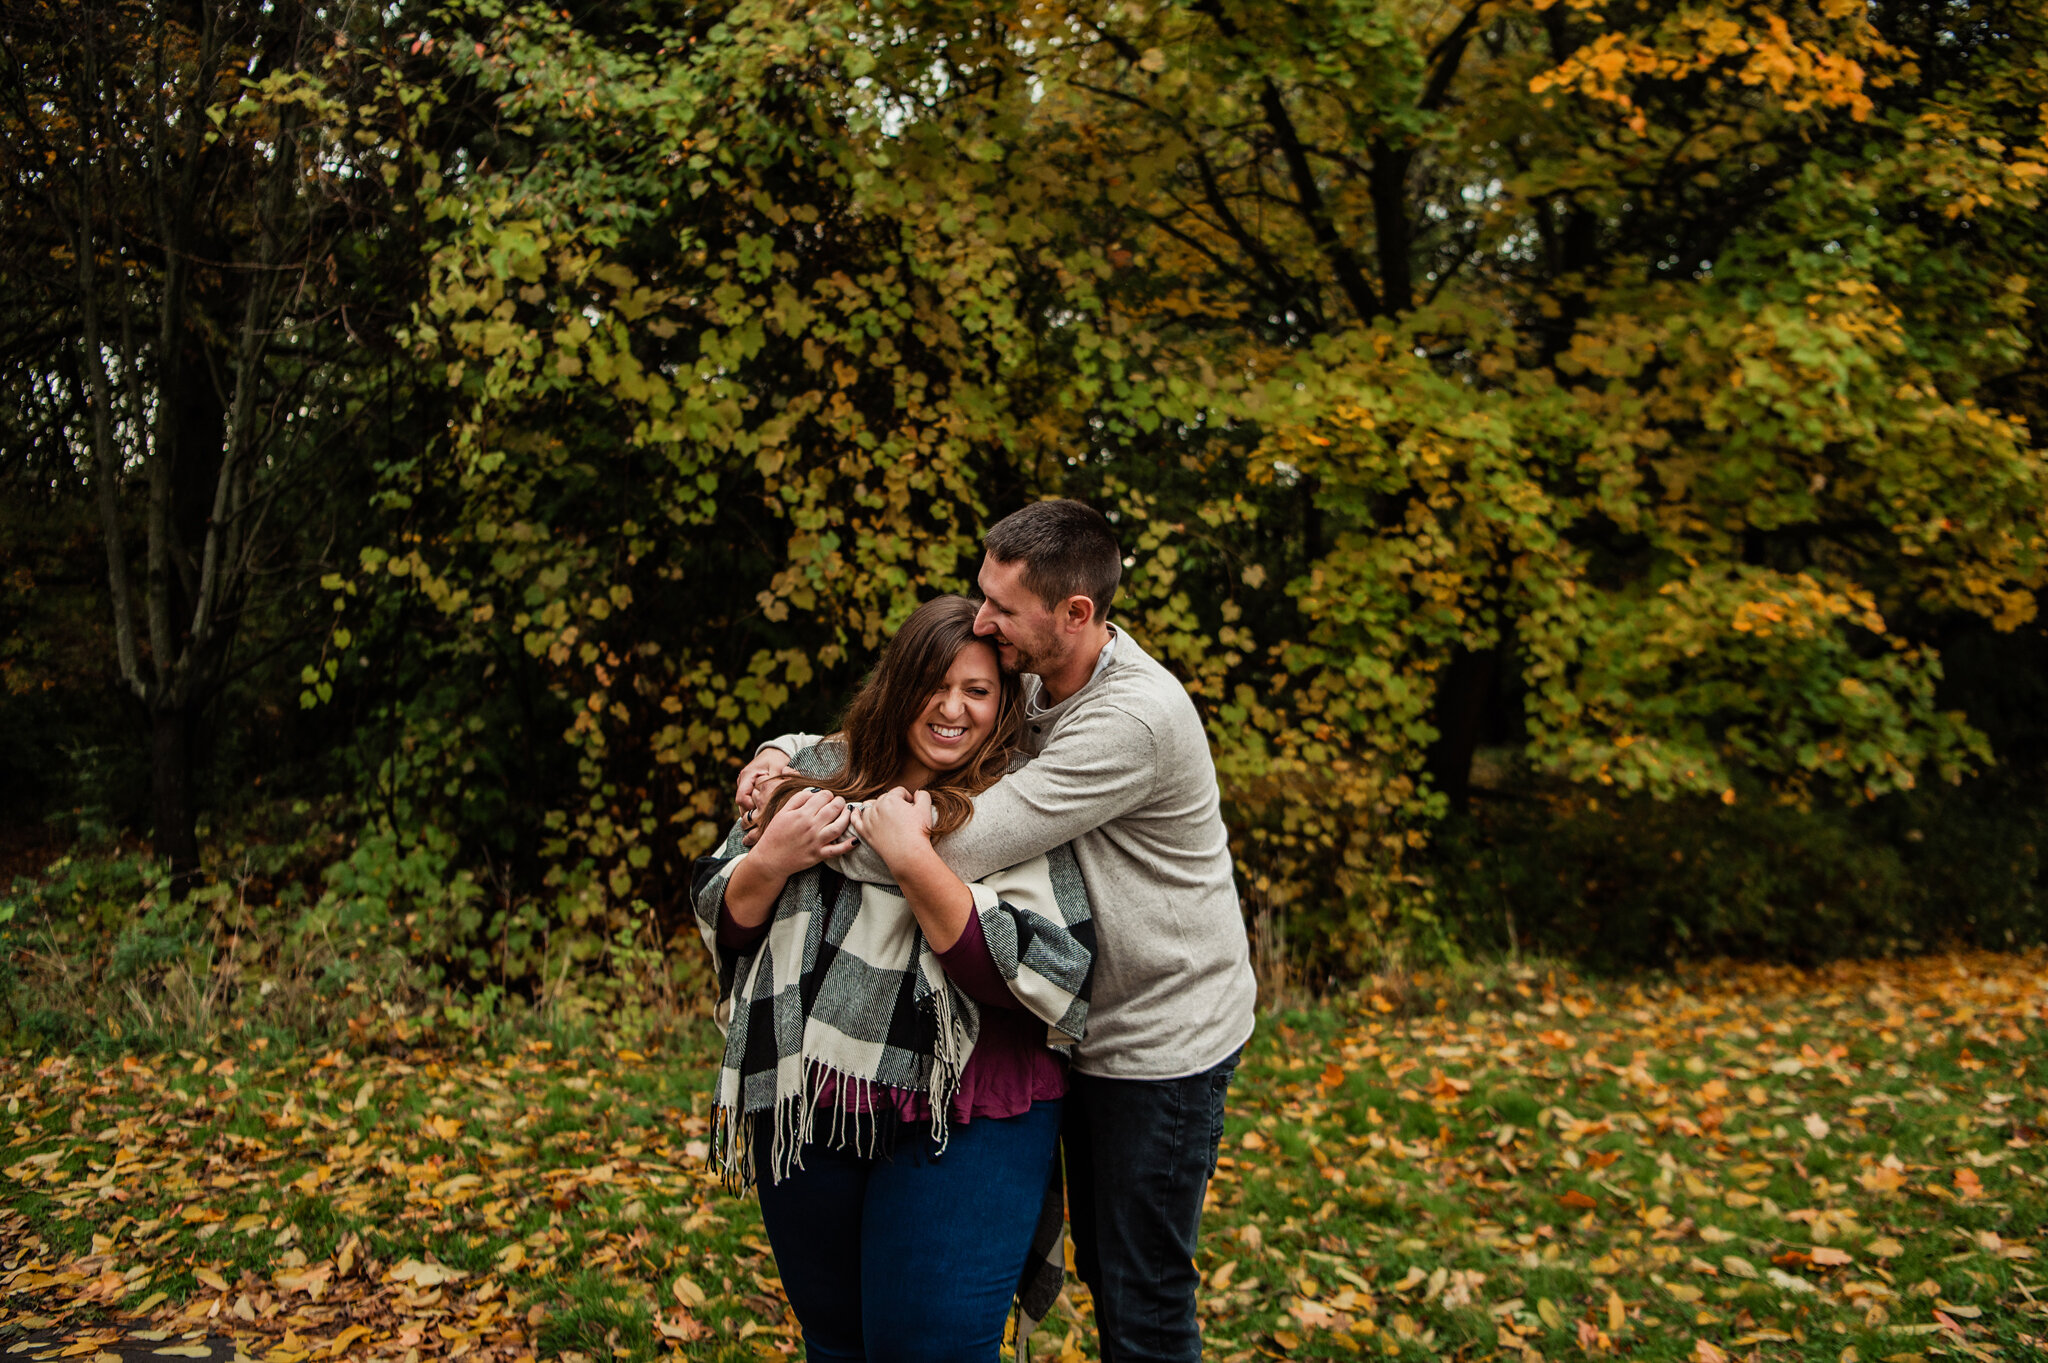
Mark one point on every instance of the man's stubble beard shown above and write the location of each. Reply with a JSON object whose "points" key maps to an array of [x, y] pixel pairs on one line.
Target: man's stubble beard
{"points": [[1027, 661]]}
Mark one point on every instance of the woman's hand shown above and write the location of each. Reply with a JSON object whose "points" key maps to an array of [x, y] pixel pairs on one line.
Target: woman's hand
{"points": [[897, 824], [758, 780], [810, 828]]}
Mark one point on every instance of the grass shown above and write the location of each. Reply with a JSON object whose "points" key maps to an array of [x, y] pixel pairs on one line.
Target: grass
{"points": [[1738, 1162]]}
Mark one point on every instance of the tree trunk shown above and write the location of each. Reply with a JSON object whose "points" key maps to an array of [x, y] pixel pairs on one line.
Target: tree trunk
{"points": [[1463, 693], [176, 811]]}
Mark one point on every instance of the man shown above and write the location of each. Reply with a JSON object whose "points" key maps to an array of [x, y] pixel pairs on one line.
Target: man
{"points": [[1120, 767]]}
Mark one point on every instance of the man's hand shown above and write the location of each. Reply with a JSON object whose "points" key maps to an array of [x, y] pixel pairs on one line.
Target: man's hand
{"points": [[897, 824], [807, 830], [758, 780]]}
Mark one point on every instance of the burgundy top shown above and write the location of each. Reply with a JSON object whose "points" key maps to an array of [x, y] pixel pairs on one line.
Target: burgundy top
{"points": [[1010, 1068]]}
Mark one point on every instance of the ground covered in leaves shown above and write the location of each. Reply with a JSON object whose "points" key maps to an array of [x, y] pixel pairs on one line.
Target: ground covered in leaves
{"points": [[1736, 1163]]}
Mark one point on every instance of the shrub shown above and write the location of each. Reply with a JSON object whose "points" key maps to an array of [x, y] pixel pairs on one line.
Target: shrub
{"points": [[1619, 883]]}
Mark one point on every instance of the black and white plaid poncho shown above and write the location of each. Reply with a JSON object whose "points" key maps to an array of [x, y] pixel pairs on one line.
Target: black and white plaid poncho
{"points": [[845, 987]]}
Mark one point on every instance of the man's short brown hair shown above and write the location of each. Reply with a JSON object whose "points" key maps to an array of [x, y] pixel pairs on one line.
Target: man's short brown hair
{"points": [[1067, 549]]}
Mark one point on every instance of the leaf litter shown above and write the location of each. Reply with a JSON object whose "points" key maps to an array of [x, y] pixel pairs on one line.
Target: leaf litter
{"points": [[1732, 1163]]}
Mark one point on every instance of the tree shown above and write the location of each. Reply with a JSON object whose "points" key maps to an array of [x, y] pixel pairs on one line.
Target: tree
{"points": [[194, 195], [1607, 348], [1644, 386]]}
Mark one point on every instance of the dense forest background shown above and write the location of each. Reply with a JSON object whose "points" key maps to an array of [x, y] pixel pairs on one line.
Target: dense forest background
{"points": [[1584, 457]]}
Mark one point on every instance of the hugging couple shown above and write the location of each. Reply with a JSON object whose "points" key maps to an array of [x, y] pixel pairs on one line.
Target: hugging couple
{"points": [[989, 921]]}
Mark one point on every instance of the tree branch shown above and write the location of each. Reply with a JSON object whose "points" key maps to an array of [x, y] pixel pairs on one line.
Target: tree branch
{"points": [[1322, 229]]}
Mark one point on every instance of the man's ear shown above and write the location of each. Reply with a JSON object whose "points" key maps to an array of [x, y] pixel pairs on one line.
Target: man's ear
{"points": [[1077, 612]]}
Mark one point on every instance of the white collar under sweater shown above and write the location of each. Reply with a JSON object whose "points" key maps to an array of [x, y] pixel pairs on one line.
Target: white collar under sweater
{"points": [[1034, 705]]}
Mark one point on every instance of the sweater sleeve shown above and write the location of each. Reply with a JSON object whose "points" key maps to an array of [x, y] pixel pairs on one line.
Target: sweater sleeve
{"points": [[1099, 766], [732, 935], [791, 743], [968, 964]]}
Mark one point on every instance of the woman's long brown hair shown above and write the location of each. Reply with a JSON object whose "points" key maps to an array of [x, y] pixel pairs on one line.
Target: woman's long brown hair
{"points": [[876, 730]]}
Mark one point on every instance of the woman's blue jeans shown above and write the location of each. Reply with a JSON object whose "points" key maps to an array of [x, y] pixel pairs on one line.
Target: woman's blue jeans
{"points": [[907, 1257]]}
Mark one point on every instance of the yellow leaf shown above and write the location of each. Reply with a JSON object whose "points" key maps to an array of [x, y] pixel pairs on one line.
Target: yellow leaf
{"points": [[208, 1278], [311, 1281], [1884, 1247], [421, 1274], [338, 1346], [183, 1351], [687, 1292], [1617, 1313], [1547, 1309]]}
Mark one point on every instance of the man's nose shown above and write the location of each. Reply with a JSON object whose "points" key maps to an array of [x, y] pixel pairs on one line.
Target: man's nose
{"points": [[985, 619]]}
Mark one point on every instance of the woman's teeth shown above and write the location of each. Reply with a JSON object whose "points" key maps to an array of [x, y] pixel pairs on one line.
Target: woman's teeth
{"points": [[947, 733]]}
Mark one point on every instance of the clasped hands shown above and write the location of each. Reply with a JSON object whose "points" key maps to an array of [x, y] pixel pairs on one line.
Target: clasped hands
{"points": [[813, 826]]}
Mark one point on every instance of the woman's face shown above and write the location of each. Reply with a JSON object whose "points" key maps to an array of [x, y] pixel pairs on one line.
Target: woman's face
{"points": [[961, 713]]}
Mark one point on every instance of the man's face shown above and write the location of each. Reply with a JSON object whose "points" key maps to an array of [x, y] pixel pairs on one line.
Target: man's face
{"points": [[1020, 624]]}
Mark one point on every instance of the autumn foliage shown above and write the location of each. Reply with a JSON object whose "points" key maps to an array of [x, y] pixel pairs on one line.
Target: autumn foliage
{"points": [[1647, 391], [1666, 365]]}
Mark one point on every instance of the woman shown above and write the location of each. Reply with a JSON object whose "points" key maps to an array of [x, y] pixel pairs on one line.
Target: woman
{"points": [[887, 1047]]}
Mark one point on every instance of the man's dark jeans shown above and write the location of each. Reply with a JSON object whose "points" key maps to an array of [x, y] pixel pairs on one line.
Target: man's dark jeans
{"points": [[1140, 1153]]}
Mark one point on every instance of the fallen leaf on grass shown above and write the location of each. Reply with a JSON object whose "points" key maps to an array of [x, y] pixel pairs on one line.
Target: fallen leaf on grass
{"points": [[1785, 1282], [313, 1281], [421, 1274]]}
